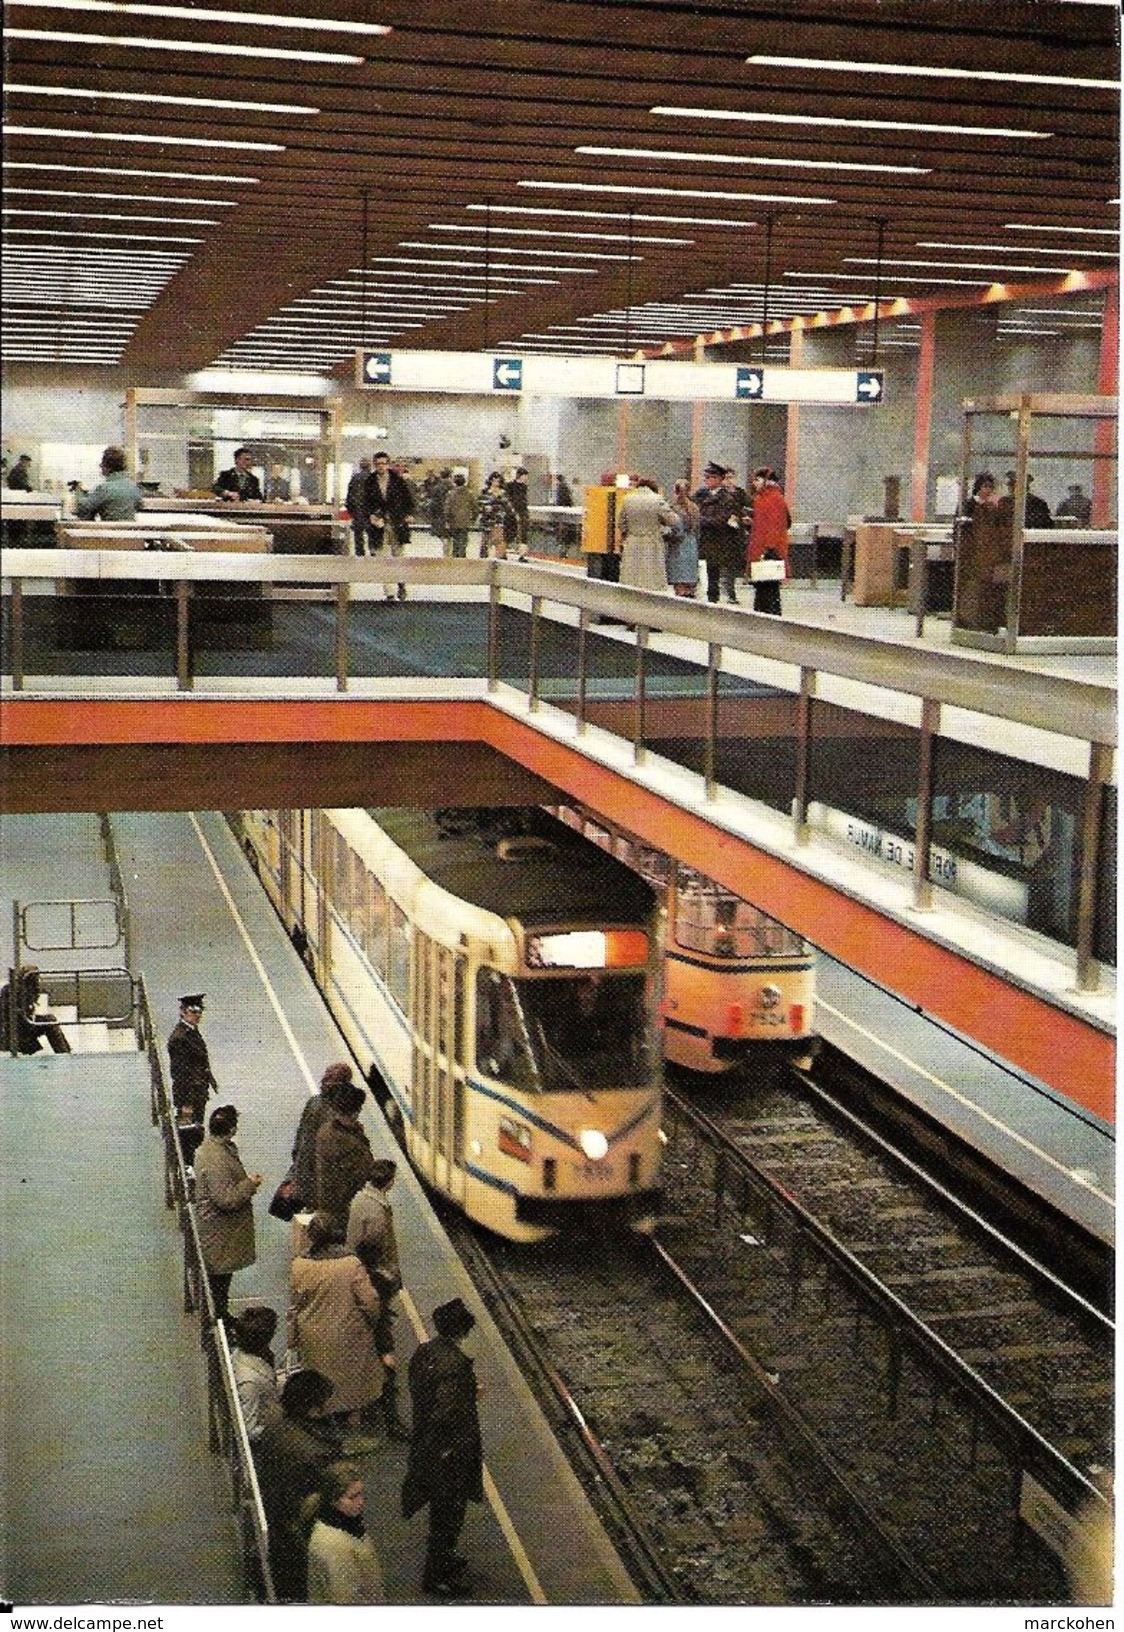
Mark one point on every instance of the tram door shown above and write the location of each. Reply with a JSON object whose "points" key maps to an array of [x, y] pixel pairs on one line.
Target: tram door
{"points": [[438, 1086], [288, 833]]}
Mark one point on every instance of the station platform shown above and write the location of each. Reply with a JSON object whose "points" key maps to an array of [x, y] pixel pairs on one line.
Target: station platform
{"points": [[201, 922]]}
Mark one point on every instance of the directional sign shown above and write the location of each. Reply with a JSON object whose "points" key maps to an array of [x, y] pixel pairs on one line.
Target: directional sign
{"points": [[868, 385], [376, 367], [507, 373], [750, 382]]}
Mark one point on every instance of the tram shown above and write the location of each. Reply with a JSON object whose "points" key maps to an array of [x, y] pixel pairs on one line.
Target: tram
{"points": [[736, 981], [498, 976]]}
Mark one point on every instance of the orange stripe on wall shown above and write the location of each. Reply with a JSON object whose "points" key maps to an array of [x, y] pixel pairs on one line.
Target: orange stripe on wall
{"points": [[35, 721]]}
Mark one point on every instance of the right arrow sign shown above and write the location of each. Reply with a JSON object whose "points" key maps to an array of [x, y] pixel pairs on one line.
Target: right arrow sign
{"points": [[868, 385]]}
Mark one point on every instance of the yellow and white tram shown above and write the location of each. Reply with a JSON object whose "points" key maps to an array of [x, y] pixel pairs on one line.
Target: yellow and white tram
{"points": [[501, 975], [734, 978]]}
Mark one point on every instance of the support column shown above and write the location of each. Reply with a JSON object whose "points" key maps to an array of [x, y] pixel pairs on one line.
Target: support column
{"points": [[695, 474], [623, 411], [923, 417], [1104, 432], [792, 424]]}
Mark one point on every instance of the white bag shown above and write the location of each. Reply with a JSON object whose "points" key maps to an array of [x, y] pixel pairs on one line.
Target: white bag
{"points": [[766, 571]]}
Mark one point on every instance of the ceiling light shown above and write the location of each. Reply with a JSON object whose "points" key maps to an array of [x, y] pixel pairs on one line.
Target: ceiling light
{"points": [[961, 266], [1020, 249], [204, 14], [757, 117], [482, 249], [609, 215], [414, 260], [113, 170], [132, 198], [910, 69], [848, 277], [100, 215], [589, 237], [1025, 226], [137, 237], [164, 101], [137, 136], [672, 192], [194, 47], [742, 158], [306, 385]]}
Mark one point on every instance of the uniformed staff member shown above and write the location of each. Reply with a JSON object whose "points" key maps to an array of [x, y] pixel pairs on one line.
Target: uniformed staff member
{"points": [[192, 1077]]}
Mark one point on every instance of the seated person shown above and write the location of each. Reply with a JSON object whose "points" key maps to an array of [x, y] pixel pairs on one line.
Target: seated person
{"points": [[30, 1025], [116, 498]]}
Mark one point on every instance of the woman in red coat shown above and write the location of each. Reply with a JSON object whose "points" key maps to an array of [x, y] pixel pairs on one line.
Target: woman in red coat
{"points": [[769, 536]]}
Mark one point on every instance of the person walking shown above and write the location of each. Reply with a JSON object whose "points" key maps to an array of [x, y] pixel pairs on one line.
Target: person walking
{"points": [[769, 537], [192, 1077], [317, 1109], [519, 499], [355, 503], [224, 1195], [499, 525], [390, 507], [460, 512], [343, 1567], [371, 1236], [446, 1469], [334, 1316]]}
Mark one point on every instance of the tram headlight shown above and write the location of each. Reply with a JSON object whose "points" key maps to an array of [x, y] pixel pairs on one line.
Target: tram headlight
{"points": [[594, 1144]]}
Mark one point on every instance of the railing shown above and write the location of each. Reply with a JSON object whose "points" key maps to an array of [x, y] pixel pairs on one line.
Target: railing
{"points": [[226, 1426], [815, 669]]}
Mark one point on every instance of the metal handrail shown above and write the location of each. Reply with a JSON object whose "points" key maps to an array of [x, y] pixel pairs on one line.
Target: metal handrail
{"points": [[226, 1424]]}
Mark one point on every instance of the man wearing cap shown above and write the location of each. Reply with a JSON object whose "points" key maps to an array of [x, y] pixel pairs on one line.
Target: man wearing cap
{"points": [[192, 1077], [721, 535], [446, 1457], [371, 1237]]}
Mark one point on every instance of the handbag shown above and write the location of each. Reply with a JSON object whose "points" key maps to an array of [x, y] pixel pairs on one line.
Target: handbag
{"points": [[286, 1199], [770, 569]]}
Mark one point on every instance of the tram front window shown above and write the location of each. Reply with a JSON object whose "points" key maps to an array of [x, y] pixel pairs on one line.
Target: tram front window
{"points": [[563, 1032]]}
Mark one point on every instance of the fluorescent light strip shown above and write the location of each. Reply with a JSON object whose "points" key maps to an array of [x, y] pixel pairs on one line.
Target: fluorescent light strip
{"points": [[961, 266], [113, 170], [610, 215], [138, 237], [1009, 332], [121, 198], [846, 277], [588, 237], [744, 158], [672, 192], [194, 47], [104, 215], [140, 137], [205, 14], [1026, 226], [164, 101], [754, 117], [413, 260], [482, 249], [912, 71], [1020, 249]]}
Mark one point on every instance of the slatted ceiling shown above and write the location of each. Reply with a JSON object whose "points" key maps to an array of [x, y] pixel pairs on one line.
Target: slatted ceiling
{"points": [[439, 115]]}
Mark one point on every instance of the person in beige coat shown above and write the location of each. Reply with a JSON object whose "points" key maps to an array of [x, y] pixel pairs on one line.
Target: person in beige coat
{"points": [[641, 519], [224, 1196], [343, 1567], [335, 1313]]}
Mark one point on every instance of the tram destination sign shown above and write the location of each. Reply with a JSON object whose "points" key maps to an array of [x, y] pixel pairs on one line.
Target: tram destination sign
{"points": [[488, 374]]}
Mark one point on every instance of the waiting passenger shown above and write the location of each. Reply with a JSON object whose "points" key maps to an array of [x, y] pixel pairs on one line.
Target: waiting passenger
{"points": [[371, 1236], [31, 1025], [291, 1455], [255, 1376], [317, 1109], [335, 1314], [224, 1195], [344, 1158], [19, 477], [1077, 506], [343, 1567], [117, 497]]}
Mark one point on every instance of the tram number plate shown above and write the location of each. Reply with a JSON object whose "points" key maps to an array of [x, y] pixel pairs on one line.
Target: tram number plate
{"points": [[595, 1170]]}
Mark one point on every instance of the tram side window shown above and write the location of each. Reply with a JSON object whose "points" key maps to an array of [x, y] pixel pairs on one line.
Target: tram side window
{"points": [[358, 917], [398, 960], [377, 925]]}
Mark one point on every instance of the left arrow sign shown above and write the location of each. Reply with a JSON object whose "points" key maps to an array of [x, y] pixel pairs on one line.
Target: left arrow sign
{"points": [[377, 367]]}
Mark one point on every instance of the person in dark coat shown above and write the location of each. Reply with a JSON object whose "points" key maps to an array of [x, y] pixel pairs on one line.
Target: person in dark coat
{"points": [[356, 505], [30, 1024], [224, 1196], [721, 535], [371, 1237], [192, 1077], [317, 1109], [446, 1469], [390, 508], [295, 1447], [239, 482], [344, 1158]]}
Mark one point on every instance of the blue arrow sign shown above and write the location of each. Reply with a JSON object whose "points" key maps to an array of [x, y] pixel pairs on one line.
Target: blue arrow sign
{"points": [[868, 385], [507, 373], [750, 383], [377, 367]]}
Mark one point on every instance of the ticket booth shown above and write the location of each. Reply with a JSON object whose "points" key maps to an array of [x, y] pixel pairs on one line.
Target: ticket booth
{"points": [[599, 528]]}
